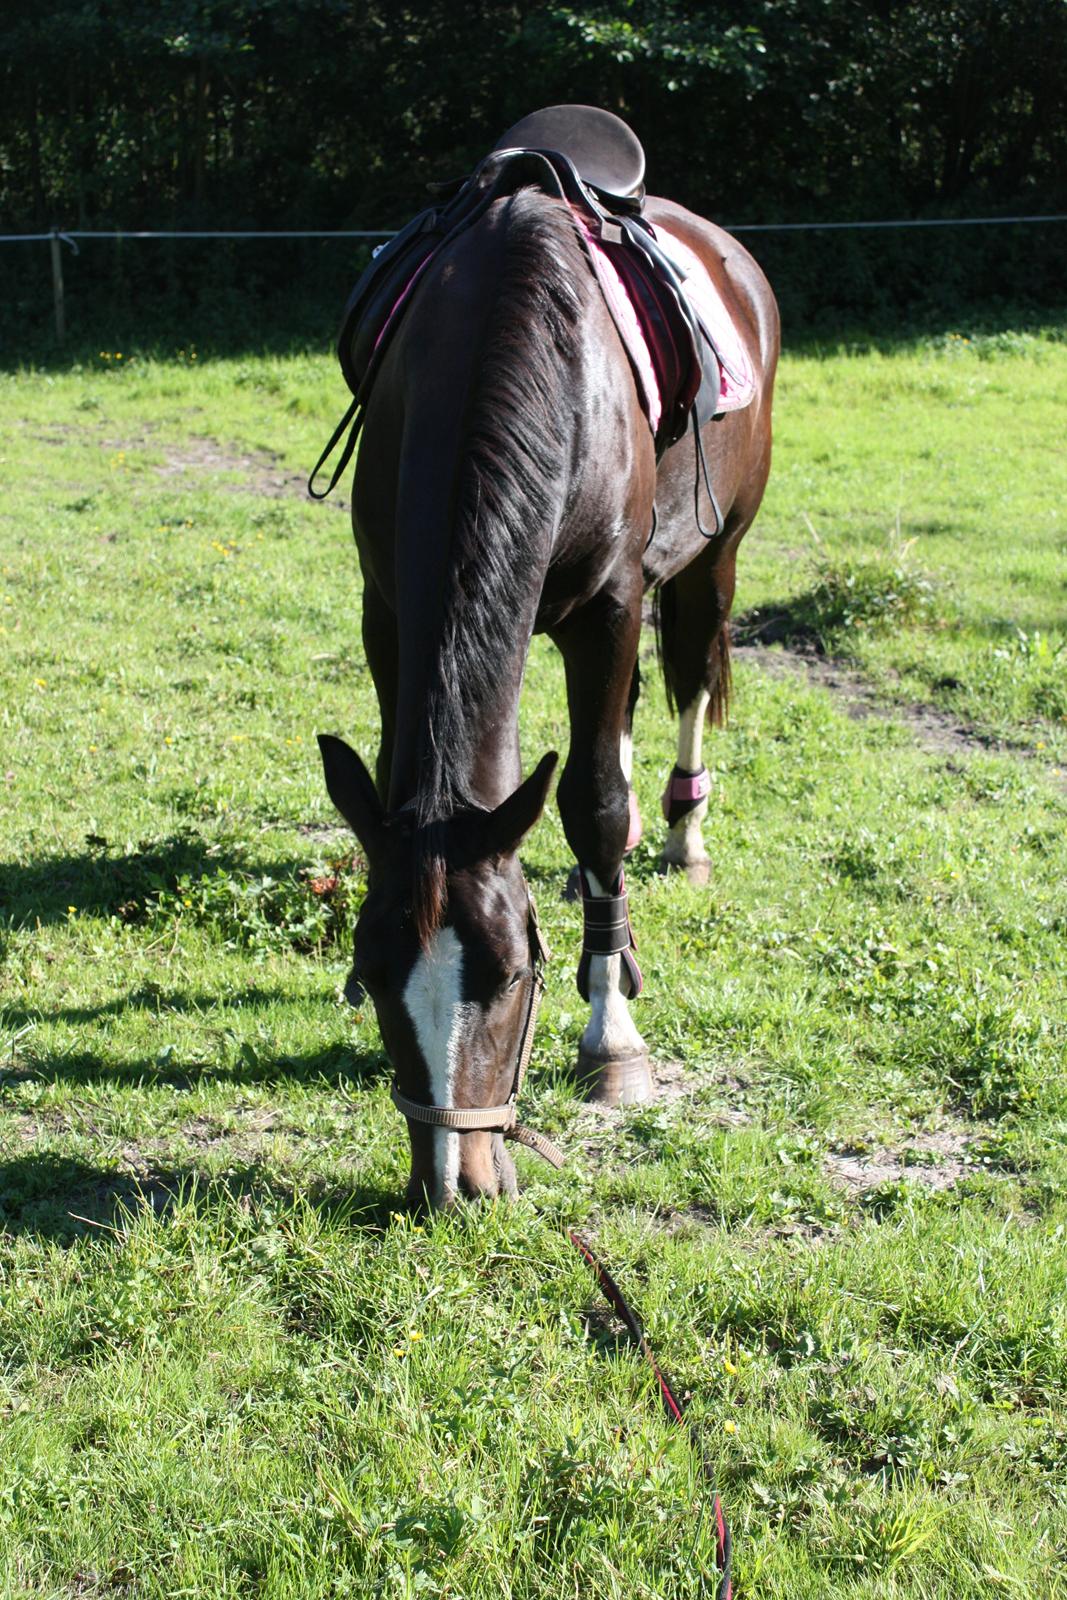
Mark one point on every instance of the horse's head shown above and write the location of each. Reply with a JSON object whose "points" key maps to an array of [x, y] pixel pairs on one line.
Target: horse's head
{"points": [[452, 990]]}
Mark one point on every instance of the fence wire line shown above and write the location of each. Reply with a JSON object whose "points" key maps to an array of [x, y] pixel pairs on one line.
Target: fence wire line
{"points": [[67, 235]]}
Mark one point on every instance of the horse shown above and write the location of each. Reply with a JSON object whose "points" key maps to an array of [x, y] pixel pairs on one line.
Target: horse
{"points": [[506, 485]]}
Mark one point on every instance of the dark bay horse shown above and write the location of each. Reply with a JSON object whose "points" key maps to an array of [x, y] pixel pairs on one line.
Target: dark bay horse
{"points": [[505, 486]]}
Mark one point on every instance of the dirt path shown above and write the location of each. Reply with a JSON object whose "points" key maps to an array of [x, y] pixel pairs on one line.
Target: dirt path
{"points": [[936, 730]]}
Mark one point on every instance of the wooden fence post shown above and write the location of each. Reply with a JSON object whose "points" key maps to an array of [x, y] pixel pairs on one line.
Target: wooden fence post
{"points": [[57, 287]]}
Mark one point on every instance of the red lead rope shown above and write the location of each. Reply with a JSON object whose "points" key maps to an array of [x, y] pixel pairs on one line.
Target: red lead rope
{"points": [[615, 1297]]}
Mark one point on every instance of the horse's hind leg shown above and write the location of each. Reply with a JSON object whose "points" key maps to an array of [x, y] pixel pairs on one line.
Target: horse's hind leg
{"points": [[695, 646], [599, 648]]}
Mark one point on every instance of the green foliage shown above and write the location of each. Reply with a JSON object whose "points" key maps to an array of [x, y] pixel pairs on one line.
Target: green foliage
{"points": [[887, 591], [304, 910], [315, 114]]}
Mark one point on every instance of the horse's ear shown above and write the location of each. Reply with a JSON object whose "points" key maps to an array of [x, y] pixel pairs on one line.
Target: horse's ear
{"points": [[507, 826], [351, 788]]}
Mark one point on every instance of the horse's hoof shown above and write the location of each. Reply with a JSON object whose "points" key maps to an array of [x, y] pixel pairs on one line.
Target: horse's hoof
{"points": [[572, 889], [615, 1083], [698, 872]]}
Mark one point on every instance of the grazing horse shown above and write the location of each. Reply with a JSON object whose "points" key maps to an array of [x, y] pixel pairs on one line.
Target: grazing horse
{"points": [[506, 484]]}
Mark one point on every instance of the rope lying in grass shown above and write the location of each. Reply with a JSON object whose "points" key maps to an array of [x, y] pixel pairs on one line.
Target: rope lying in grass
{"points": [[671, 1404]]}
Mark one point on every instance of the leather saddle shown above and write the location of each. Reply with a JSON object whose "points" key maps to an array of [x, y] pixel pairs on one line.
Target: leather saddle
{"points": [[590, 159], [601, 148]]}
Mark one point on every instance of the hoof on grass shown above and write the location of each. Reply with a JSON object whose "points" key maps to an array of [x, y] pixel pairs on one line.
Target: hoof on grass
{"points": [[698, 872], [625, 1082]]}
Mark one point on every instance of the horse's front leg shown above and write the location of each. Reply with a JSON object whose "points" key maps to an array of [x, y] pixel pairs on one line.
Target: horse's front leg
{"points": [[599, 648]]}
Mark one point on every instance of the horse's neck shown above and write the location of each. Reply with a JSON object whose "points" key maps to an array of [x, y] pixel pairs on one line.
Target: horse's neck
{"points": [[464, 624], [453, 737], [488, 399]]}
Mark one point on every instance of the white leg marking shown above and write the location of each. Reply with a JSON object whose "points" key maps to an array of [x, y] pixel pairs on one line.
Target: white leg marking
{"points": [[626, 756], [684, 845], [610, 1033], [691, 732], [432, 999]]}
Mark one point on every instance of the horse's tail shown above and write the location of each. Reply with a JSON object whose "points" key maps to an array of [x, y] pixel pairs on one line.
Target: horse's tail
{"points": [[676, 659]]}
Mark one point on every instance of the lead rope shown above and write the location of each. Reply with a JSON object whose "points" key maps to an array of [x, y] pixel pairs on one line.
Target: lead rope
{"points": [[671, 1404], [504, 1120]]}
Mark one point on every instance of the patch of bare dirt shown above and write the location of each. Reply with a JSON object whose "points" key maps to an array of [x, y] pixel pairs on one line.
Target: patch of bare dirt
{"points": [[243, 1130], [931, 1160], [673, 1082], [262, 471], [803, 1230]]}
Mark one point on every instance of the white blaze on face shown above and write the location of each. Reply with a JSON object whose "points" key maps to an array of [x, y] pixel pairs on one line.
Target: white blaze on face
{"points": [[433, 1001]]}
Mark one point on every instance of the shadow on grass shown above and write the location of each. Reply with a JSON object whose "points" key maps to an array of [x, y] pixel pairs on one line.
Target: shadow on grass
{"points": [[149, 998], [337, 1066], [238, 322], [789, 622], [47, 889], [60, 1199]]}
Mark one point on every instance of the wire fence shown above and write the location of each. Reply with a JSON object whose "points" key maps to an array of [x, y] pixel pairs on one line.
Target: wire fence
{"points": [[56, 236]]}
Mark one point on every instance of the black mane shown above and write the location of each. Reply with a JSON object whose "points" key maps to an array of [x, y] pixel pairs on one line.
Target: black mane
{"points": [[510, 495]]}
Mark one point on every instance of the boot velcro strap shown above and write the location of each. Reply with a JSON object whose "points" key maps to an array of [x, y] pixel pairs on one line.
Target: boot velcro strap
{"points": [[607, 925], [684, 792], [608, 933]]}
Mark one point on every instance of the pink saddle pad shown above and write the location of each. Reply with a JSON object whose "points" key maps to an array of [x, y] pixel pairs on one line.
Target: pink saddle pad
{"points": [[737, 378], [738, 387]]}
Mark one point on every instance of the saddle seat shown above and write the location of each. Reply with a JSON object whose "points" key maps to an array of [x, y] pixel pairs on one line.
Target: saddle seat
{"points": [[606, 154], [596, 166]]}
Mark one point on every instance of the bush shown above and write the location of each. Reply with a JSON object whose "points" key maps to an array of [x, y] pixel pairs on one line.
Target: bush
{"points": [[876, 592]]}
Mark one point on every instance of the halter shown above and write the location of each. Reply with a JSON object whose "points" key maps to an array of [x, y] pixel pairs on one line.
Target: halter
{"points": [[498, 1119]]}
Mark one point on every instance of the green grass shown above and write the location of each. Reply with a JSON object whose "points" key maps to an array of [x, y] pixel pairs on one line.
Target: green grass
{"points": [[942, 462], [228, 1367]]}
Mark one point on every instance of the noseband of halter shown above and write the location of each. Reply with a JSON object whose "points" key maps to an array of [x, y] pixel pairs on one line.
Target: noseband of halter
{"points": [[498, 1119]]}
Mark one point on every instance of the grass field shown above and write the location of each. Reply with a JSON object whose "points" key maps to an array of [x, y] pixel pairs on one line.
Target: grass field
{"points": [[228, 1366]]}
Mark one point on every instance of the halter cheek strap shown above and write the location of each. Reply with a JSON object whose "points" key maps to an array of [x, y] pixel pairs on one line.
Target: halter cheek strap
{"points": [[498, 1119]]}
